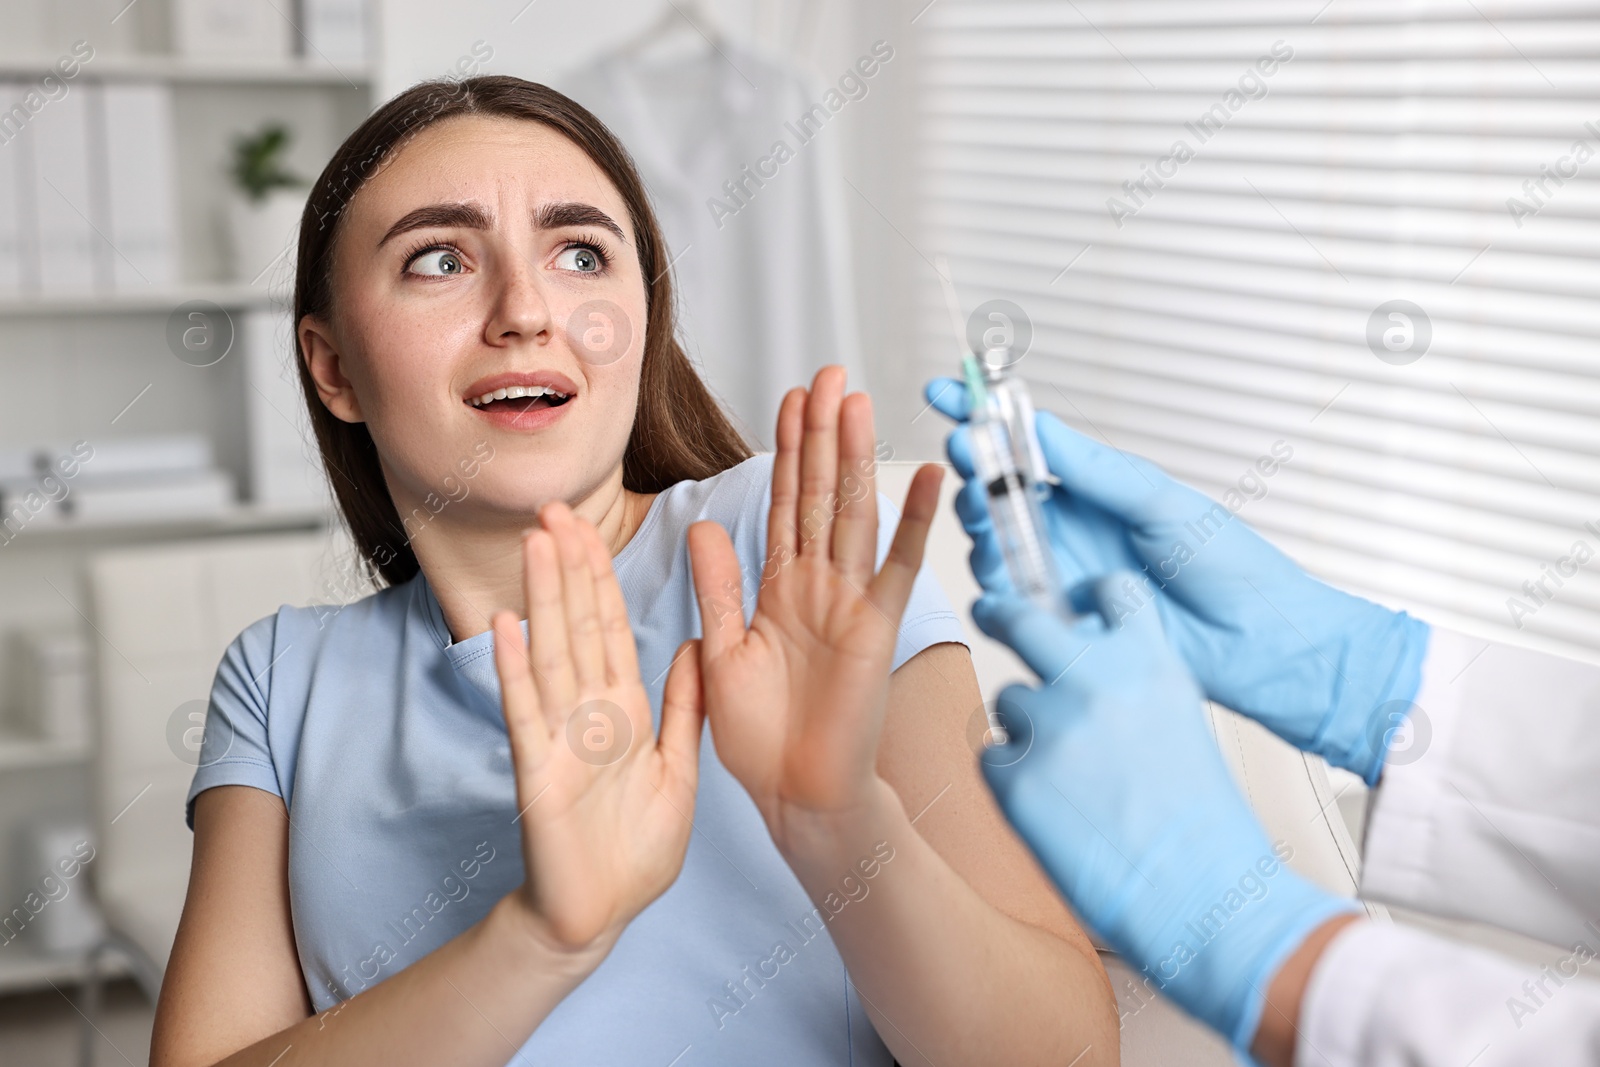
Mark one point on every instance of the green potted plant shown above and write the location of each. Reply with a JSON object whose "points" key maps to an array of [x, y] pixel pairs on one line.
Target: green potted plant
{"points": [[264, 212]]}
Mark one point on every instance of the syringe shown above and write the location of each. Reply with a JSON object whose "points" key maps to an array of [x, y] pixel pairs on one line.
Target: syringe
{"points": [[1005, 457], [1008, 463]]}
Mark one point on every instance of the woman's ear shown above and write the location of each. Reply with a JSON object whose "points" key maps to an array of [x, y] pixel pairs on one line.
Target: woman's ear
{"points": [[321, 353]]}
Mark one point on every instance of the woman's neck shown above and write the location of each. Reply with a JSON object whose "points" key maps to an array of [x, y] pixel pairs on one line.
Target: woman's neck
{"points": [[475, 566]]}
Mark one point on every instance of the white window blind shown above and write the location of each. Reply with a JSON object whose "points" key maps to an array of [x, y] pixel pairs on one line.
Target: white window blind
{"points": [[1224, 304]]}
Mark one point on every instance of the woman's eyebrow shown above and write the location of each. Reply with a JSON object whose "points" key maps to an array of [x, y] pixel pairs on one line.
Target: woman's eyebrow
{"points": [[470, 216], [554, 216]]}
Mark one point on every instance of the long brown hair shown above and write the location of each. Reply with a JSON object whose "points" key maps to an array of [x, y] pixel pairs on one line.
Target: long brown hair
{"points": [[679, 430]]}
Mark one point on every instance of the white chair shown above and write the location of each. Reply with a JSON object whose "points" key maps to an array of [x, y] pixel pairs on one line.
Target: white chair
{"points": [[1289, 791], [166, 614]]}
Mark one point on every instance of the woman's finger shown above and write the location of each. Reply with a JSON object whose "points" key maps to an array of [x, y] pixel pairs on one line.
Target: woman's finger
{"points": [[782, 542], [682, 715], [855, 535], [892, 587], [578, 597], [616, 632], [819, 463], [547, 624], [519, 699], [718, 586]]}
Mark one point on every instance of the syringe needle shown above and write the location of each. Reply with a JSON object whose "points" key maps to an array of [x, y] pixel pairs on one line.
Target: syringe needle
{"points": [[942, 265]]}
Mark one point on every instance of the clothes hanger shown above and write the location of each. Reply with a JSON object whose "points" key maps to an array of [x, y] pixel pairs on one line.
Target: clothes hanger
{"points": [[679, 19]]}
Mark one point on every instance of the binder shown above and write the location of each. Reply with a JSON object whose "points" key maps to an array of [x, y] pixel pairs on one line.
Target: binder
{"points": [[12, 172], [138, 158], [336, 31], [129, 457], [150, 498], [18, 143], [63, 200], [254, 30]]}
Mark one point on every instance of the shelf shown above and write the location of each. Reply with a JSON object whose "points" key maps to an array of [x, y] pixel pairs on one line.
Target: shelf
{"points": [[18, 751], [21, 970], [241, 518], [160, 300], [184, 71]]}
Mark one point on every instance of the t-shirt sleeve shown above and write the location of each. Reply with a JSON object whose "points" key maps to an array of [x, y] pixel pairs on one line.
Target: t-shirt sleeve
{"points": [[233, 748], [929, 618]]}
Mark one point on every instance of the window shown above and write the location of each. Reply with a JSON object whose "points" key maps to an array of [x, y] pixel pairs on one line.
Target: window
{"points": [[1368, 231]]}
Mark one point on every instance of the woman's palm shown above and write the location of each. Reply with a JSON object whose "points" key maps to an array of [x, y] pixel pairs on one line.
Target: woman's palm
{"points": [[813, 651], [604, 809], [796, 698]]}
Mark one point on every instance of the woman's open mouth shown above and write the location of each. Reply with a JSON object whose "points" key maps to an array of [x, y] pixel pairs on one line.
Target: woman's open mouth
{"points": [[520, 399], [522, 402]]}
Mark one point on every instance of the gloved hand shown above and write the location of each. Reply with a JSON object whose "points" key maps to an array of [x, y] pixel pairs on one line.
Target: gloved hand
{"points": [[1316, 666], [1112, 777]]}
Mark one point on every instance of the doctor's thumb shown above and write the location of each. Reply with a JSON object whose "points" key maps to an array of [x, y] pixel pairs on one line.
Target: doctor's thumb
{"points": [[1010, 741]]}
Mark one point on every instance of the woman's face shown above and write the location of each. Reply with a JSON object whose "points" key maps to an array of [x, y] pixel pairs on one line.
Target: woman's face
{"points": [[490, 258]]}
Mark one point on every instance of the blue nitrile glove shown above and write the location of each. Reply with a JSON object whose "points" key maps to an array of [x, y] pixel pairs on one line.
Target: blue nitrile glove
{"points": [[1112, 777], [1326, 671]]}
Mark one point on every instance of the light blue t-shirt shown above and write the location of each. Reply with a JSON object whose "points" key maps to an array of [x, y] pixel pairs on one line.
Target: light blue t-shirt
{"points": [[388, 746]]}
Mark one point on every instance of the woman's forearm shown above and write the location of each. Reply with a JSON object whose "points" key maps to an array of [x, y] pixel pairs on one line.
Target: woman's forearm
{"points": [[472, 1001], [946, 978]]}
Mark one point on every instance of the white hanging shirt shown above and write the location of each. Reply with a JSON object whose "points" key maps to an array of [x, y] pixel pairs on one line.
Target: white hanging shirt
{"points": [[756, 233], [1498, 821]]}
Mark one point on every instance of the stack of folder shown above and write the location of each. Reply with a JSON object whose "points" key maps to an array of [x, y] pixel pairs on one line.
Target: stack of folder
{"points": [[151, 477]]}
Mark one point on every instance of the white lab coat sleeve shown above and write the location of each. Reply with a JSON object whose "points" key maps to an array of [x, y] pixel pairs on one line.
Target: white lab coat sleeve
{"points": [[1395, 996], [1490, 809]]}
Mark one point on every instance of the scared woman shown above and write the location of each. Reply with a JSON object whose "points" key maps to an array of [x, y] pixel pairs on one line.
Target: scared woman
{"points": [[427, 832]]}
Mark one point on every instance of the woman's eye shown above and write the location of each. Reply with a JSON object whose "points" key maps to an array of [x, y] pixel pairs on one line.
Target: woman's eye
{"points": [[438, 262], [580, 259]]}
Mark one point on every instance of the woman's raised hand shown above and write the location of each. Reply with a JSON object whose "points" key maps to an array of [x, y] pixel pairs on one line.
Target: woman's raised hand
{"points": [[605, 807], [796, 700]]}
